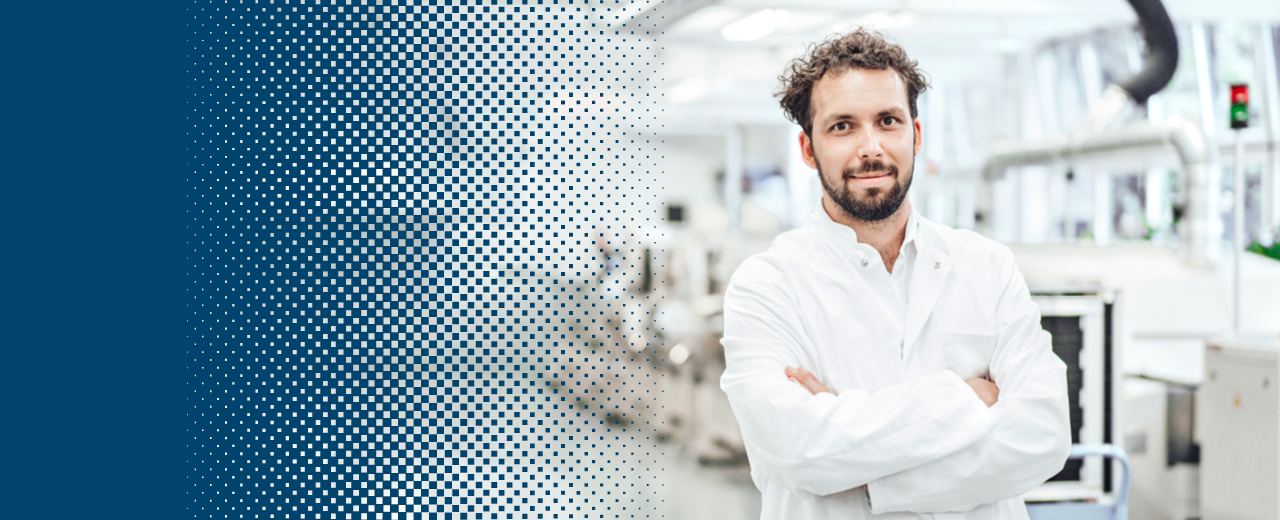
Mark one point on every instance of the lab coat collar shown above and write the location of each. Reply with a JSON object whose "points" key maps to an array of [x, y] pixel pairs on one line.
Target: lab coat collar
{"points": [[920, 231], [932, 266]]}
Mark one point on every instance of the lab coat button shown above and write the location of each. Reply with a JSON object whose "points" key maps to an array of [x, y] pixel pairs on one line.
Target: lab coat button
{"points": [[937, 265], [865, 262]]}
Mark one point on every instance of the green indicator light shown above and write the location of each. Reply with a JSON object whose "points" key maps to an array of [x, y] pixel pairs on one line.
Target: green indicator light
{"points": [[1239, 116]]}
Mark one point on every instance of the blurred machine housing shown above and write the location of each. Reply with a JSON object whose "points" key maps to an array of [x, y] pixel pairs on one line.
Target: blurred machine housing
{"points": [[1239, 430]]}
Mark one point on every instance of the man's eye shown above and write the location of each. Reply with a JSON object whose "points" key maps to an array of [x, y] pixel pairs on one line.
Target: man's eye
{"points": [[890, 120], [840, 127]]}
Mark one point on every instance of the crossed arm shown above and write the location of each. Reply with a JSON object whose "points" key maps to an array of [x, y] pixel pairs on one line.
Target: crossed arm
{"points": [[984, 388], [1030, 439]]}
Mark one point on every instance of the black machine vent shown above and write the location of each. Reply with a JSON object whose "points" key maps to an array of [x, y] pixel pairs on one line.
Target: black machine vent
{"points": [[1068, 340]]}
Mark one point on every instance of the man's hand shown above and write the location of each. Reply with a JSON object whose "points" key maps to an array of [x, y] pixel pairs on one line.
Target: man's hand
{"points": [[807, 380], [985, 389]]}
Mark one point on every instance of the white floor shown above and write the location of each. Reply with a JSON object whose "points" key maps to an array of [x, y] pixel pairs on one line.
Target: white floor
{"points": [[631, 452], [696, 492], [665, 482]]}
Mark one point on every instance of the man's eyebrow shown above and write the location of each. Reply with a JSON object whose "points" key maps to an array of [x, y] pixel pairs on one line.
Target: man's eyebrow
{"points": [[883, 113]]}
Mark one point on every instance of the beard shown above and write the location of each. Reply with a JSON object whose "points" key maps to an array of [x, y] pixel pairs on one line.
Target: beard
{"points": [[879, 203]]}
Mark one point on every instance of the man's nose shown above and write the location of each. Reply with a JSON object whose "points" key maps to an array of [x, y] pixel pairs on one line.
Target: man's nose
{"points": [[868, 145]]}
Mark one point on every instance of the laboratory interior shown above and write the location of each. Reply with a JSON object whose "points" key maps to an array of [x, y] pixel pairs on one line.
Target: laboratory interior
{"points": [[1131, 169]]}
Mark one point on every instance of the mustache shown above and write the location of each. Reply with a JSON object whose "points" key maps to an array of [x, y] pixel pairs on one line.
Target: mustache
{"points": [[871, 167]]}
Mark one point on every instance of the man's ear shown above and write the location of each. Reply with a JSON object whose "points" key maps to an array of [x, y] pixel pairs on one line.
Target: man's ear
{"points": [[806, 150], [919, 136]]}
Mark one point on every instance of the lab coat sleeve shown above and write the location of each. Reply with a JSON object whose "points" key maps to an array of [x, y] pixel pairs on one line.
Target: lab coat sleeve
{"points": [[1031, 438], [823, 444]]}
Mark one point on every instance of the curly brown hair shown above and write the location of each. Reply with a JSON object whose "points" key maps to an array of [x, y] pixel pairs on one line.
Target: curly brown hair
{"points": [[861, 49]]}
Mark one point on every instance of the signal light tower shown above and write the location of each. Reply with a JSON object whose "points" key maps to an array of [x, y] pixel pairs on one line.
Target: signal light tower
{"points": [[1239, 114], [1239, 106]]}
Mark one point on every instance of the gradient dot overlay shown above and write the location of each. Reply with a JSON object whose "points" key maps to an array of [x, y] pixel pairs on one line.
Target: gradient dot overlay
{"points": [[417, 284]]}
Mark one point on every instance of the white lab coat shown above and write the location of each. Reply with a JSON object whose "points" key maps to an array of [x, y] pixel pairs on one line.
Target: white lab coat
{"points": [[900, 420]]}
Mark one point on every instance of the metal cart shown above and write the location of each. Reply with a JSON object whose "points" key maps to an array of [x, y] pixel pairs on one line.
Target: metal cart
{"points": [[1119, 510]]}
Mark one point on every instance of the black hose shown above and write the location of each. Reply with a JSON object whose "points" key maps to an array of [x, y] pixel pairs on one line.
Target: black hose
{"points": [[1162, 51]]}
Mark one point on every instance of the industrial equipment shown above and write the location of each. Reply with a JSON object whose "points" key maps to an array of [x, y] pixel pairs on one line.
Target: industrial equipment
{"points": [[1081, 321], [1238, 428]]}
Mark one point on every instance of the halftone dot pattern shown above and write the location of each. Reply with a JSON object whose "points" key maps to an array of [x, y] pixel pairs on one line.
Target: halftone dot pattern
{"points": [[420, 243]]}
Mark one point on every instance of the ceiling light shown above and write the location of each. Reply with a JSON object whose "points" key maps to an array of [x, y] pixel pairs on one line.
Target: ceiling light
{"points": [[755, 26], [884, 20], [679, 354], [1002, 45], [708, 19], [689, 90]]}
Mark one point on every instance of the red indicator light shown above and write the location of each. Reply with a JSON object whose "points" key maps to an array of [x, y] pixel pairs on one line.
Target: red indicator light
{"points": [[1239, 94]]}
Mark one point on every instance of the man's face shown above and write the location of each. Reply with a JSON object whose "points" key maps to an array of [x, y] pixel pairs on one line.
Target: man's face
{"points": [[863, 141]]}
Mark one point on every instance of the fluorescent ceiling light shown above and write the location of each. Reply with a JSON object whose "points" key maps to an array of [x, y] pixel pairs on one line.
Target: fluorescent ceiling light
{"points": [[881, 20], [679, 354], [689, 90], [627, 13], [756, 26], [708, 19], [1002, 45], [805, 21]]}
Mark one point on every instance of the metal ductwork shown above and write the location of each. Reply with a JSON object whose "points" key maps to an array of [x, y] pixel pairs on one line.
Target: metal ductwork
{"points": [[1097, 136], [1160, 63], [1162, 51]]}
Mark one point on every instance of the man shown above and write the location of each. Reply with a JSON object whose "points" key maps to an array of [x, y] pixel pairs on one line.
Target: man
{"points": [[879, 363]]}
